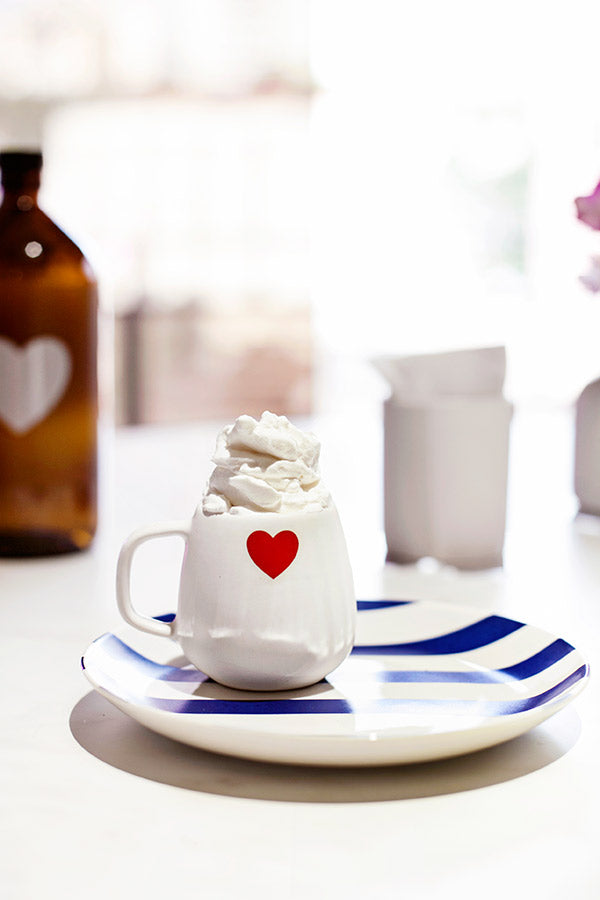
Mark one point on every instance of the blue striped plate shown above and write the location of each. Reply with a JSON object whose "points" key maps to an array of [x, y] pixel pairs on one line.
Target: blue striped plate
{"points": [[424, 681]]}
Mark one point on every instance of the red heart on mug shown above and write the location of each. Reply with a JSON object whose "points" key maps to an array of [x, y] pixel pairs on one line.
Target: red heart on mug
{"points": [[272, 554]]}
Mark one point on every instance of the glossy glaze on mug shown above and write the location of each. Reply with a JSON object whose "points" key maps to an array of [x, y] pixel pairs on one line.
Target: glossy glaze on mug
{"points": [[240, 623]]}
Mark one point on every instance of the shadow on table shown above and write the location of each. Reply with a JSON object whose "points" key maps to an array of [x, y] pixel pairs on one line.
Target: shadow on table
{"points": [[110, 735]]}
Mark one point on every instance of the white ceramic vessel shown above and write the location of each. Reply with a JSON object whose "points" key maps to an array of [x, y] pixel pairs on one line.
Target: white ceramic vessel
{"points": [[266, 600], [446, 471]]}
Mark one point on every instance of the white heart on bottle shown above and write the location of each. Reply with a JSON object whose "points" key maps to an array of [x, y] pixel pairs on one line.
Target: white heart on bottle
{"points": [[33, 379]]}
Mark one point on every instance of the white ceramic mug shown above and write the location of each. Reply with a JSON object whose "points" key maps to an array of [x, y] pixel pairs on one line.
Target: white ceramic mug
{"points": [[266, 600]]}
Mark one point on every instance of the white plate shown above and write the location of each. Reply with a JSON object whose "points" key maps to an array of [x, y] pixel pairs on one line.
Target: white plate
{"points": [[424, 681]]}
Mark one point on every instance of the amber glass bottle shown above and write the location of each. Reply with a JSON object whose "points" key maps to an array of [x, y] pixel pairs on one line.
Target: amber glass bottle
{"points": [[48, 377]]}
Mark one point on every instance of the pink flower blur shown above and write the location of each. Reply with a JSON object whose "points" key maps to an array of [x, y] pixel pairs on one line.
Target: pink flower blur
{"points": [[588, 209]]}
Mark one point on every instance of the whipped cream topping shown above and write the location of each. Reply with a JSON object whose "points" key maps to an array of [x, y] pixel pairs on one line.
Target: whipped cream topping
{"points": [[265, 465]]}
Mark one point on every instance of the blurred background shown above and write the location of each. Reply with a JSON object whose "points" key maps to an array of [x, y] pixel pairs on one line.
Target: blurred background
{"points": [[273, 192]]}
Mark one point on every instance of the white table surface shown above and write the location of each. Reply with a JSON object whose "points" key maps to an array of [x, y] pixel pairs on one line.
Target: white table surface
{"points": [[96, 806]]}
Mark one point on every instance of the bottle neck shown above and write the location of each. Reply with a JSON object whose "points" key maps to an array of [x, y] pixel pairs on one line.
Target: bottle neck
{"points": [[23, 198], [20, 180], [21, 173]]}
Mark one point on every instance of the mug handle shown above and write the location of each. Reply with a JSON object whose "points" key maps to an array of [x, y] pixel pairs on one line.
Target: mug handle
{"points": [[126, 608]]}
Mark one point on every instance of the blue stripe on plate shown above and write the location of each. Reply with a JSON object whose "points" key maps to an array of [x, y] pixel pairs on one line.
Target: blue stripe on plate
{"points": [[471, 637], [516, 706], [118, 650], [524, 669], [316, 706], [539, 661]]}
